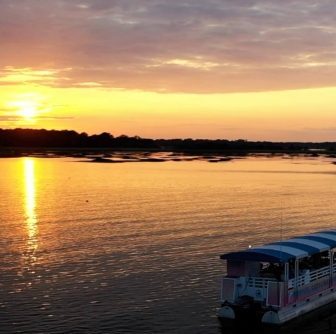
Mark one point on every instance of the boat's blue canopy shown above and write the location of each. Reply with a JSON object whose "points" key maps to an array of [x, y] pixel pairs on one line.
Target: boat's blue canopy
{"points": [[283, 251]]}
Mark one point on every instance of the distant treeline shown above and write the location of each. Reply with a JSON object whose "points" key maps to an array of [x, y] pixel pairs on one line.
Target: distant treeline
{"points": [[31, 138]]}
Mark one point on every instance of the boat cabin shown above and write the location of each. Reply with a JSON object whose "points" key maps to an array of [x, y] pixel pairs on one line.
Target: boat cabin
{"points": [[281, 274]]}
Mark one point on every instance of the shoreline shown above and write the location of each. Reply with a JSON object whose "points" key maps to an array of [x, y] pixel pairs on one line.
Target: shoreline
{"points": [[99, 155]]}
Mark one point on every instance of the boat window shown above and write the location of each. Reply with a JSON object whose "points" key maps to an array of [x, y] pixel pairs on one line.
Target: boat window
{"points": [[272, 270], [316, 261]]}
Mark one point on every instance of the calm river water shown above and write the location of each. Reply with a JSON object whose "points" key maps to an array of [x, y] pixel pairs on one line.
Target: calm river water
{"points": [[134, 247]]}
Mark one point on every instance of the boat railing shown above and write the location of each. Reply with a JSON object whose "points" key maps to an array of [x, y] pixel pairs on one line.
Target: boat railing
{"points": [[259, 282], [257, 287], [308, 276], [334, 268]]}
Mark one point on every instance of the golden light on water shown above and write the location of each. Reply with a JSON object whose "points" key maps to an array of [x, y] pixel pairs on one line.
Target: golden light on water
{"points": [[30, 203], [30, 212]]}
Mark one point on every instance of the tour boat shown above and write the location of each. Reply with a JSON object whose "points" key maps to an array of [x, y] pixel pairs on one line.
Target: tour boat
{"points": [[280, 281]]}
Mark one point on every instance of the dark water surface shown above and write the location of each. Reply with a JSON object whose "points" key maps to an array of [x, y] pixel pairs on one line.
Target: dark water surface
{"points": [[134, 247]]}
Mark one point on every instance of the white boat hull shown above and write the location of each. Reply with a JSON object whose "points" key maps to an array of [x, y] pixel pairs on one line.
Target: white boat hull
{"points": [[285, 314], [291, 312]]}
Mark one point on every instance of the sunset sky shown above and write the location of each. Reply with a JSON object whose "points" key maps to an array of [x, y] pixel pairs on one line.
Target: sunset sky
{"points": [[227, 69]]}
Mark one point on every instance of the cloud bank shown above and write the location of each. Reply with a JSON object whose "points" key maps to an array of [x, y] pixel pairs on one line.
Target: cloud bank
{"points": [[188, 46]]}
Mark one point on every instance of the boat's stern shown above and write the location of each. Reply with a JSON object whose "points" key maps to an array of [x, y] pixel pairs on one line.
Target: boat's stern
{"points": [[251, 297], [233, 302]]}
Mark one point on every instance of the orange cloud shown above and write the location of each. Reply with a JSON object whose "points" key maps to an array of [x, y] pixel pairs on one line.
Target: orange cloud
{"points": [[188, 46]]}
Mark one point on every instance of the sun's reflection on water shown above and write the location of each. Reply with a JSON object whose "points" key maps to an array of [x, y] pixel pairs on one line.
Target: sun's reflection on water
{"points": [[29, 256]]}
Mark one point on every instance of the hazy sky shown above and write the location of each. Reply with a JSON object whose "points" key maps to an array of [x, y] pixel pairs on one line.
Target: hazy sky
{"points": [[256, 70]]}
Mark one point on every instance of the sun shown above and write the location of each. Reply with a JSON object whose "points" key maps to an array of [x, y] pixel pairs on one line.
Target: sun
{"points": [[26, 109]]}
